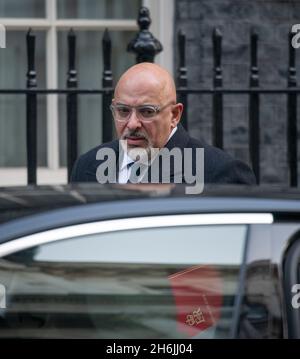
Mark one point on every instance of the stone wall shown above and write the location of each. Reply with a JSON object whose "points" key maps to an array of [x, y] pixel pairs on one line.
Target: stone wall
{"points": [[272, 19]]}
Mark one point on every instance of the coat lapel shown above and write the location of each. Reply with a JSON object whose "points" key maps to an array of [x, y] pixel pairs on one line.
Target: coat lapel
{"points": [[90, 173], [178, 140]]}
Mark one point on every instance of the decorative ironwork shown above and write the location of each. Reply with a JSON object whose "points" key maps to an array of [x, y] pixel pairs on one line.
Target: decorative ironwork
{"points": [[218, 83], [292, 135], [31, 111], [144, 45], [182, 81], [254, 130], [107, 83]]}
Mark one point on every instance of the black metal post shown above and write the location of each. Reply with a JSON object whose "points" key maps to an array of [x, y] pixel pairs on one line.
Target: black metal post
{"points": [[107, 83], [71, 104], [218, 83], [144, 45], [31, 111], [254, 131], [292, 117], [182, 81]]}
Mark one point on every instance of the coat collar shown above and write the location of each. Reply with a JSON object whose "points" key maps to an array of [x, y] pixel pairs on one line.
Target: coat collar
{"points": [[178, 140]]}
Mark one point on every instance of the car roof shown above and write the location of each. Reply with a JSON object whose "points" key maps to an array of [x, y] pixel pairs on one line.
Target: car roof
{"points": [[17, 202], [31, 209]]}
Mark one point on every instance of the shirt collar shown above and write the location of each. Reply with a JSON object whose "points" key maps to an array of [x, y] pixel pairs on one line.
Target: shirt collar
{"points": [[172, 133], [126, 160]]}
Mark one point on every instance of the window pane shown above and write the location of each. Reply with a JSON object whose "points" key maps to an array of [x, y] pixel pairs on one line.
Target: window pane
{"points": [[89, 67], [98, 9], [13, 68], [22, 8], [155, 248], [147, 283]]}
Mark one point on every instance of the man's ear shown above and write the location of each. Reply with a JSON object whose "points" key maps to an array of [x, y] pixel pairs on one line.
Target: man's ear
{"points": [[177, 112]]}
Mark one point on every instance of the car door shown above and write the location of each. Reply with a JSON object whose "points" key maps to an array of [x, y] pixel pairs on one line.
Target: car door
{"points": [[159, 276]]}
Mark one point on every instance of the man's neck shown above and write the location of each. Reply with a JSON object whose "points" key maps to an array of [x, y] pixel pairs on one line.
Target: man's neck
{"points": [[171, 134]]}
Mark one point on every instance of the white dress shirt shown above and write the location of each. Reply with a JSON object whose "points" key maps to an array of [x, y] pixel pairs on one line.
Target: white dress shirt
{"points": [[125, 171]]}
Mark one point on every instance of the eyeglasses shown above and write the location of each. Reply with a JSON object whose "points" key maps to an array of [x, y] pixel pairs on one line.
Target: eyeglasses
{"points": [[145, 113]]}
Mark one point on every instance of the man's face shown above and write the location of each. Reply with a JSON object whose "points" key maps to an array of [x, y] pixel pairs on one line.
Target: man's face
{"points": [[139, 91]]}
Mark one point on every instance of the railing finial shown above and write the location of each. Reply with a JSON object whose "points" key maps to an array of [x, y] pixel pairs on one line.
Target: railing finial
{"points": [[144, 45]]}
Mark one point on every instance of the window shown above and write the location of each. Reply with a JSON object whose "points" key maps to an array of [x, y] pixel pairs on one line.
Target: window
{"points": [[168, 282], [13, 68], [105, 9], [50, 20], [23, 8]]}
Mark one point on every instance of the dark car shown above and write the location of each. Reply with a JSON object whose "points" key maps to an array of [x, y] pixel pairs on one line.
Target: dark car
{"points": [[91, 261]]}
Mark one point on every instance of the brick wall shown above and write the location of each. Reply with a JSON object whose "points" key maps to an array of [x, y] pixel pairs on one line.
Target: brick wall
{"points": [[272, 19]]}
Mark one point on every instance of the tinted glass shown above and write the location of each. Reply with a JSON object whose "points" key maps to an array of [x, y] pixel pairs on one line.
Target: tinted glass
{"points": [[147, 283]]}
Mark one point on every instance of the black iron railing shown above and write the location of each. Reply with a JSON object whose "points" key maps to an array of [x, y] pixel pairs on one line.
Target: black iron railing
{"points": [[253, 91], [145, 46]]}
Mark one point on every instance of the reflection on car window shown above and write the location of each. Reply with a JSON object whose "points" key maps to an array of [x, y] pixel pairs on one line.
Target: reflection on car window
{"points": [[174, 282]]}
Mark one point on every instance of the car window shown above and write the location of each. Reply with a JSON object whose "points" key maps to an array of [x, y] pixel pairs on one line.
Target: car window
{"points": [[167, 282]]}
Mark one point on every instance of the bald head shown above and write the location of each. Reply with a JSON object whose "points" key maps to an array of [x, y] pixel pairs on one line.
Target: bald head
{"points": [[141, 85], [147, 79]]}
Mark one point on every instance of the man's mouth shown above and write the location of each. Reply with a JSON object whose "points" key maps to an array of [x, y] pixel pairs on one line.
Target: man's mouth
{"points": [[135, 140]]}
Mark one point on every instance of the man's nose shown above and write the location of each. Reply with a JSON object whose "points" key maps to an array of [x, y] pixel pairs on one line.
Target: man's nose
{"points": [[133, 121]]}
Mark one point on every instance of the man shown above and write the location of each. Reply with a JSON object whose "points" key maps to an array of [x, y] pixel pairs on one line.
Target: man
{"points": [[146, 116]]}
